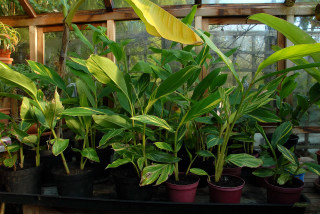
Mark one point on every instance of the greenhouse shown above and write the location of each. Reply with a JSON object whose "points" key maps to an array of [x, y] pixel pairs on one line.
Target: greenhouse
{"points": [[162, 106]]}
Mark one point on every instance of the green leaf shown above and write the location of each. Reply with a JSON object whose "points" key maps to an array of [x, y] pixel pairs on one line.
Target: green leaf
{"points": [[85, 111], [205, 153], [14, 147], [204, 84], [281, 134], [264, 172], [118, 162], [162, 157], [10, 162], [140, 162], [26, 111], [156, 171], [288, 154], [202, 107], [112, 121], [172, 83], [30, 140], [59, 145], [226, 60], [153, 120], [53, 110], [76, 126], [164, 146], [198, 171], [85, 94], [244, 160], [312, 167], [82, 38], [91, 154], [49, 74], [4, 116], [292, 52], [104, 69], [111, 134], [284, 178], [264, 116], [213, 140], [16, 79], [73, 9]]}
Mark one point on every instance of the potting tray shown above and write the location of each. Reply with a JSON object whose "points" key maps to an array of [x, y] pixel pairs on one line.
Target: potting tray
{"points": [[105, 199]]}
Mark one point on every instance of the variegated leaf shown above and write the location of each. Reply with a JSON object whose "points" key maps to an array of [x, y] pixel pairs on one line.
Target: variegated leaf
{"points": [[288, 154], [244, 160], [159, 172], [153, 120], [164, 146]]}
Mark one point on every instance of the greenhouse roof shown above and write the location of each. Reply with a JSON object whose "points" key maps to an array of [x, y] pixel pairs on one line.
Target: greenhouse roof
{"points": [[21, 13]]}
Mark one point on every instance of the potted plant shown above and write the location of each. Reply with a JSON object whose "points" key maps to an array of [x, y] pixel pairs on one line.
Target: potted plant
{"points": [[19, 176], [282, 185], [9, 39]]}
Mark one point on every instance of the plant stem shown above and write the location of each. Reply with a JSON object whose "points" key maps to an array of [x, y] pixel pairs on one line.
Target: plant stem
{"points": [[21, 155], [62, 155], [176, 165], [188, 170], [38, 147], [144, 145]]}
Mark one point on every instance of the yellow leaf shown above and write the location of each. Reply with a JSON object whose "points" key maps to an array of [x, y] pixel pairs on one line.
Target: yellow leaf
{"points": [[159, 22]]}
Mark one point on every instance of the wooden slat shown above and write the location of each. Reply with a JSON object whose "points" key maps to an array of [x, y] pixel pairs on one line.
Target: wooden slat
{"points": [[28, 8], [231, 20], [225, 10], [59, 28], [109, 5], [33, 42]]}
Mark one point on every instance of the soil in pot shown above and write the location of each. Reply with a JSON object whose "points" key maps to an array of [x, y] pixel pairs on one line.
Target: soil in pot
{"points": [[24, 181], [79, 183], [183, 190], [284, 194], [227, 190], [127, 185]]}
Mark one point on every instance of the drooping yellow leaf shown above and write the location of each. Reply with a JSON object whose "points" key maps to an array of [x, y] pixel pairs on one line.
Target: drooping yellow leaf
{"points": [[159, 22]]}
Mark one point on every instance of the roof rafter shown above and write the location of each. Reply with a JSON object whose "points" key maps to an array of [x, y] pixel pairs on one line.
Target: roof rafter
{"points": [[28, 8], [109, 5], [207, 11]]}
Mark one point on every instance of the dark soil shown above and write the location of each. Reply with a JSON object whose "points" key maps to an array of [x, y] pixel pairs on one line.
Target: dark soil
{"points": [[183, 179], [294, 183], [227, 181], [74, 170]]}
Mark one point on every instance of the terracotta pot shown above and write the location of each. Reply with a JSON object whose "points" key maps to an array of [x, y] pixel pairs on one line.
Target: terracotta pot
{"points": [[6, 111], [182, 193], [219, 194], [5, 56], [282, 195]]}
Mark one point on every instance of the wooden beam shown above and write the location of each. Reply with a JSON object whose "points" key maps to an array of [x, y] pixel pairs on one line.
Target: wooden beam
{"points": [[118, 14], [28, 8], [109, 5]]}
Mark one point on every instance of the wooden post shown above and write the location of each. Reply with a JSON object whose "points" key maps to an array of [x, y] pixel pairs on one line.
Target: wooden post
{"points": [[40, 45], [33, 35], [111, 33]]}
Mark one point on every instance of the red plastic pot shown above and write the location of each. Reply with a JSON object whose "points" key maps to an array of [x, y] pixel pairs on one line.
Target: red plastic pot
{"points": [[182, 193], [5, 56], [220, 194], [281, 195]]}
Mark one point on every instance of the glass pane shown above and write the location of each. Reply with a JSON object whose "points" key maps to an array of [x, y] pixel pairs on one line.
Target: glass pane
{"points": [[41, 6], [305, 81], [76, 48], [138, 49], [11, 8], [118, 4], [22, 52], [240, 1], [253, 43]]}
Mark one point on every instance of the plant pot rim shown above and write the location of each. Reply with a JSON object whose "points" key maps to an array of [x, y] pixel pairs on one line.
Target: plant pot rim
{"points": [[287, 189], [180, 185], [225, 188]]}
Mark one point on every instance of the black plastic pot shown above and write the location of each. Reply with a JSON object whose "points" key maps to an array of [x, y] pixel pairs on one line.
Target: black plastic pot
{"points": [[48, 161], [77, 184], [24, 181], [128, 188]]}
